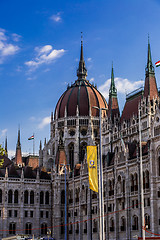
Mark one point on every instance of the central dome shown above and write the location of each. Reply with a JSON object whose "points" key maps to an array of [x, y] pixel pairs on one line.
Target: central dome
{"points": [[82, 94]]}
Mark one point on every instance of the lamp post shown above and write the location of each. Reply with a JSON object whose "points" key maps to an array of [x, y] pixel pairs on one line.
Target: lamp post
{"points": [[101, 200]]}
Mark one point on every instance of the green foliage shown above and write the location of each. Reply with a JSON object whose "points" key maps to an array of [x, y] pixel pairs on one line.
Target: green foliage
{"points": [[2, 153]]}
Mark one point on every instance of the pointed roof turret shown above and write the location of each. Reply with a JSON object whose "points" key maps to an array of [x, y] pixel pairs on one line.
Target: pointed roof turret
{"points": [[150, 88], [149, 68], [18, 157], [82, 71], [6, 146], [18, 140], [113, 90], [113, 108]]}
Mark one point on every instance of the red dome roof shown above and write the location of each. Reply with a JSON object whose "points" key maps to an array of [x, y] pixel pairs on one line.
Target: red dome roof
{"points": [[81, 94]]}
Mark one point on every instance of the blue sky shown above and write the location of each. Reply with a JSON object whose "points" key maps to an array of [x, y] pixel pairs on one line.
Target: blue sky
{"points": [[40, 48]]}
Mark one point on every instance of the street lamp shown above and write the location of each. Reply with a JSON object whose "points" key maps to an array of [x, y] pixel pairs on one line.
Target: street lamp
{"points": [[101, 200]]}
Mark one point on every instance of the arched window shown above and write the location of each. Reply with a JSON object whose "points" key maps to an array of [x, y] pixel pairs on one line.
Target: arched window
{"points": [[12, 228], [123, 224], [111, 225], [41, 197], [10, 196], [144, 181], [43, 229], [82, 151], [147, 178], [94, 225], [147, 221], [135, 223], [132, 183], [16, 196], [119, 190], [53, 149], [123, 186], [77, 194], [71, 155], [26, 197], [28, 228], [62, 197], [31, 197], [135, 182], [47, 198], [0, 195]]}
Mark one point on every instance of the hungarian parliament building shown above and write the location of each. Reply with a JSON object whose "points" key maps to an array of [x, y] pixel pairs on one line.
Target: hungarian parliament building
{"points": [[32, 190]]}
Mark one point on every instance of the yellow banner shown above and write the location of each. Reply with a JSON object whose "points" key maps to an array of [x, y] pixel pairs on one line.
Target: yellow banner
{"points": [[92, 167]]}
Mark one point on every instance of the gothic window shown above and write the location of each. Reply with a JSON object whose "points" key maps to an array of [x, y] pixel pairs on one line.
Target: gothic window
{"points": [[28, 228], [123, 224], [31, 197], [77, 194], [41, 197], [43, 228], [62, 197], [111, 225], [144, 182], [135, 182], [94, 225], [16, 196], [85, 227], [132, 183], [47, 198], [135, 223], [10, 196], [147, 221], [26, 197], [0, 195], [119, 185], [82, 151], [123, 186], [12, 228], [71, 155], [53, 149], [147, 179]]}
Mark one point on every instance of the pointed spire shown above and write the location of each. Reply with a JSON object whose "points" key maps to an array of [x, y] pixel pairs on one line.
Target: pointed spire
{"points": [[82, 71], [113, 90], [149, 68], [40, 145], [51, 117], [6, 145], [18, 141]]}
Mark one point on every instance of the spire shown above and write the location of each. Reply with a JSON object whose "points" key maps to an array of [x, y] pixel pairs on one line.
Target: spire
{"points": [[113, 108], [6, 145], [150, 88], [149, 68], [113, 90], [40, 145], [18, 141], [82, 71], [51, 117]]}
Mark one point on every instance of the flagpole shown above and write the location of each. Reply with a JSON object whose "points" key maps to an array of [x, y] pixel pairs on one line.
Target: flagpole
{"points": [[33, 145]]}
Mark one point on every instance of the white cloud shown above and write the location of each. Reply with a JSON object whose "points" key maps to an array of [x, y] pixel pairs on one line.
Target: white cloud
{"points": [[11, 153], [3, 132], [89, 59], [44, 55], [56, 17], [123, 86], [45, 121], [92, 80], [6, 47], [16, 37]]}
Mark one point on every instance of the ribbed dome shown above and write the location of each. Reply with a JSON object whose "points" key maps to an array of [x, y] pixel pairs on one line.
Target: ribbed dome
{"points": [[81, 94]]}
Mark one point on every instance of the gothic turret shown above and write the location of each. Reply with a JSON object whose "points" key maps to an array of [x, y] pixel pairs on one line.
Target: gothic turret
{"points": [[18, 158], [113, 108], [82, 71], [150, 88], [6, 147]]}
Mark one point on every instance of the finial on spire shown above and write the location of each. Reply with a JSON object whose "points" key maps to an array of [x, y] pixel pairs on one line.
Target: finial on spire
{"points": [[82, 71]]}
